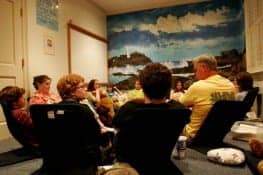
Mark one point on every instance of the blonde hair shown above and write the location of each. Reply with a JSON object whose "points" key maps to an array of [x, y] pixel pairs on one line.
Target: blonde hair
{"points": [[68, 84], [207, 59]]}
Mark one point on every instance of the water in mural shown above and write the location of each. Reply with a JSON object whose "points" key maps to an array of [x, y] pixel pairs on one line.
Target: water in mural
{"points": [[173, 36]]}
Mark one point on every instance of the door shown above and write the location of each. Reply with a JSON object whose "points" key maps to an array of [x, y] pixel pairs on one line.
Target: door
{"points": [[11, 49]]}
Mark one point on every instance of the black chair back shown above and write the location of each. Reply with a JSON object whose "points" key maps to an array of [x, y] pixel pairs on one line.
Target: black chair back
{"points": [[147, 140], [250, 97], [28, 151], [69, 137], [259, 104], [218, 123]]}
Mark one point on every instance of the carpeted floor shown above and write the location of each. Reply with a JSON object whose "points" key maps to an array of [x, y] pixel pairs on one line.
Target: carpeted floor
{"points": [[194, 164], [22, 168]]}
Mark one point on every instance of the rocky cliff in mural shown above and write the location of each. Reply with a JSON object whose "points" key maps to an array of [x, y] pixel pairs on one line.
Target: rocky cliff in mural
{"points": [[133, 59], [229, 63]]}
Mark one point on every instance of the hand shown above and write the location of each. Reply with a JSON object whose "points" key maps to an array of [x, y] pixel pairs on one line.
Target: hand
{"points": [[103, 129]]}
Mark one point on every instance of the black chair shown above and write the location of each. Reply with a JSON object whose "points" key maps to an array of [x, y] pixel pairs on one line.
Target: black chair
{"points": [[250, 97], [259, 104], [69, 138], [148, 138], [218, 123], [27, 151]]}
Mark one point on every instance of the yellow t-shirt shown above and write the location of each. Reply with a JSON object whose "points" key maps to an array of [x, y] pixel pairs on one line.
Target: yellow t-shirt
{"points": [[135, 94], [201, 96]]}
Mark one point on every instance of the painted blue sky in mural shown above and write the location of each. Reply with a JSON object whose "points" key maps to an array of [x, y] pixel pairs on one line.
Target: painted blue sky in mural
{"points": [[189, 29], [180, 32]]}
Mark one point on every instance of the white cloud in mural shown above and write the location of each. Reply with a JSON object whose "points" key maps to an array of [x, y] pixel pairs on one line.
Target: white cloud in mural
{"points": [[149, 27], [167, 24], [187, 23], [206, 42], [199, 42], [125, 28], [128, 69], [178, 64]]}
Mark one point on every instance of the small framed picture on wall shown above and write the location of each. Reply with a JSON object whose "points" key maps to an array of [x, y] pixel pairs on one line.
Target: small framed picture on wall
{"points": [[49, 45]]}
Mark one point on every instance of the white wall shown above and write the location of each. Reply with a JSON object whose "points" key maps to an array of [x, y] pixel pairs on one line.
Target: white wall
{"points": [[258, 81], [82, 13], [254, 38], [88, 56]]}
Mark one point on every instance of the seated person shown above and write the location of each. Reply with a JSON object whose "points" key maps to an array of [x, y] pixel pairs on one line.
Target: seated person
{"points": [[70, 97], [177, 91], [156, 83], [202, 94], [137, 92], [113, 91], [244, 82], [43, 94], [72, 89], [110, 91], [94, 91], [115, 95], [14, 97], [104, 105]]}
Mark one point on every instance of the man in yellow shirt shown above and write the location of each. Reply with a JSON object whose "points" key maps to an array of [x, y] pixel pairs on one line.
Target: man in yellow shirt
{"points": [[202, 94]]}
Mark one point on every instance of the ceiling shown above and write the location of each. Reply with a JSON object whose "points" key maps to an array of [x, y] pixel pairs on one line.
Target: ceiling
{"points": [[111, 7]]}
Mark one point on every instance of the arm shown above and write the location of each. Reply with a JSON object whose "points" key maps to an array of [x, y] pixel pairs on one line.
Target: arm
{"points": [[103, 128], [189, 97], [97, 96], [117, 90], [91, 97], [22, 117]]}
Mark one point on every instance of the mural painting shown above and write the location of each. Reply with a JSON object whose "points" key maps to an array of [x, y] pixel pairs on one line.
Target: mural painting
{"points": [[175, 35]]}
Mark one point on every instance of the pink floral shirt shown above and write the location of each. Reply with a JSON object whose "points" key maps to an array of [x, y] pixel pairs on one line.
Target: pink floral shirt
{"points": [[22, 117], [39, 98]]}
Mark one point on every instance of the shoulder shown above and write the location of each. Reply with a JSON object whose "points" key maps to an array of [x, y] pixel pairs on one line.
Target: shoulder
{"points": [[37, 98], [195, 86], [36, 95], [130, 106], [125, 113], [81, 106], [55, 97]]}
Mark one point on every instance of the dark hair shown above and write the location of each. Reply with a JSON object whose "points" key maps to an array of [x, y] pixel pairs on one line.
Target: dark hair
{"points": [[110, 86], [39, 80], [156, 80], [91, 85], [175, 86], [11, 94], [244, 81]]}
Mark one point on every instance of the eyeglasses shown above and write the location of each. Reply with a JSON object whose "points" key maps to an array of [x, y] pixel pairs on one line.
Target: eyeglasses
{"points": [[82, 86]]}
